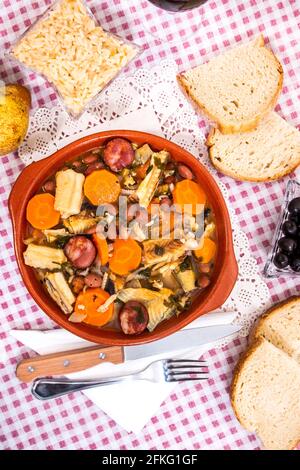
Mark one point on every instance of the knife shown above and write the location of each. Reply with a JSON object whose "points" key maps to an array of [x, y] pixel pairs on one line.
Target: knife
{"points": [[80, 359]]}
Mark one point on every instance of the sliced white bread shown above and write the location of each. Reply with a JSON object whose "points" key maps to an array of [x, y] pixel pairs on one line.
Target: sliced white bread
{"points": [[237, 88], [265, 395], [270, 151], [281, 326]]}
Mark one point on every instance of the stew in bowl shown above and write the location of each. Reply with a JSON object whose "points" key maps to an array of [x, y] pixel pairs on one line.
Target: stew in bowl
{"points": [[123, 236]]}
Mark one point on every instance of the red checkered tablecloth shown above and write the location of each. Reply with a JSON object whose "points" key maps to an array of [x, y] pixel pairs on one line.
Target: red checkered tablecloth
{"points": [[197, 416]]}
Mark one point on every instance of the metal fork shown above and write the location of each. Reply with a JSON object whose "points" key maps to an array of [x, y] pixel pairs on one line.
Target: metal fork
{"points": [[164, 370]]}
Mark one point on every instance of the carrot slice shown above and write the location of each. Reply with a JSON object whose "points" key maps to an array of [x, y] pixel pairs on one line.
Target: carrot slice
{"points": [[207, 251], [102, 248], [127, 255], [40, 211], [102, 187], [141, 171], [88, 303], [189, 192]]}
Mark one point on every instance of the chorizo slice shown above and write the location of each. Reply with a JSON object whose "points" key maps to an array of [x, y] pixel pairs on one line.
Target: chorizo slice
{"points": [[133, 318], [80, 251], [118, 154]]}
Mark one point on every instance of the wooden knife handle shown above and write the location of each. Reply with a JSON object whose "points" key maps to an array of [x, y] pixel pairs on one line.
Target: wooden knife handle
{"points": [[68, 361]]}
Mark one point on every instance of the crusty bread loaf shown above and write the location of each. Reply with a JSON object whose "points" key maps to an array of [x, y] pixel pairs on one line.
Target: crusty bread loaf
{"points": [[281, 326], [265, 388], [237, 88], [269, 152], [265, 395]]}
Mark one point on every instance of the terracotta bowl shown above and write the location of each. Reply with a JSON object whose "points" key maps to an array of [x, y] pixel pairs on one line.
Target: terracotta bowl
{"points": [[225, 271]]}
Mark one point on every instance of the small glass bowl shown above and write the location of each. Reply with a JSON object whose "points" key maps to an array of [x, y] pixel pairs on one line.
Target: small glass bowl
{"points": [[137, 49], [270, 270]]}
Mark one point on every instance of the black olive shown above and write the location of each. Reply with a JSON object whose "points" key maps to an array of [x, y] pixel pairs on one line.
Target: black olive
{"points": [[281, 260], [60, 242], [295, 264], [294, 217], [289, 228], [110, 287], [287, 245], [294, 206]]}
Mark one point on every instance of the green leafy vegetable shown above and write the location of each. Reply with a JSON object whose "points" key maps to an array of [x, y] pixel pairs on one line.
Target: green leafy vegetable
{"points": [[159, 163], [145, 272], [185, 265], [149, 169], [177, 302], [60, 242]]}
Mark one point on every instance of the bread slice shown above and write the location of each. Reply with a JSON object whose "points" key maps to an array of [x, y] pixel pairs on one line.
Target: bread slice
{"points": [[281, 326], [237, 88], [269, 152], [265, 395]]}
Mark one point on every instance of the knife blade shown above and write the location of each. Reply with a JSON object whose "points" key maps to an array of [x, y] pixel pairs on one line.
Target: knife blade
{"points": [[80, 359], [184, 339]]}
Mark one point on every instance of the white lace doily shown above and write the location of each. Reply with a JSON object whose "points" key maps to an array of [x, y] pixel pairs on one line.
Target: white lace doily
{"points": [[50, 129]]}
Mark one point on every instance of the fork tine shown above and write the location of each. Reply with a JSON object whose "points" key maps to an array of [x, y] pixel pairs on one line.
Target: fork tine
{"points": [[184, 379], [171, 361], [184, 367], [185, 372], [179, 370], [172, 367]]}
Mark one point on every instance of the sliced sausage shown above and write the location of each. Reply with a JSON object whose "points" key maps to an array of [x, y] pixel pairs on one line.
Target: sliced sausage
{"points": [[92, 167], [185, 172], [133, 318], [93, 280], [77, 284], [80, 251], [118, 154]]}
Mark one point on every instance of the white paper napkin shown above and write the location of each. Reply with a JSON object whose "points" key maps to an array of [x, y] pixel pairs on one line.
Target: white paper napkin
{"points": [[131, 405]]}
